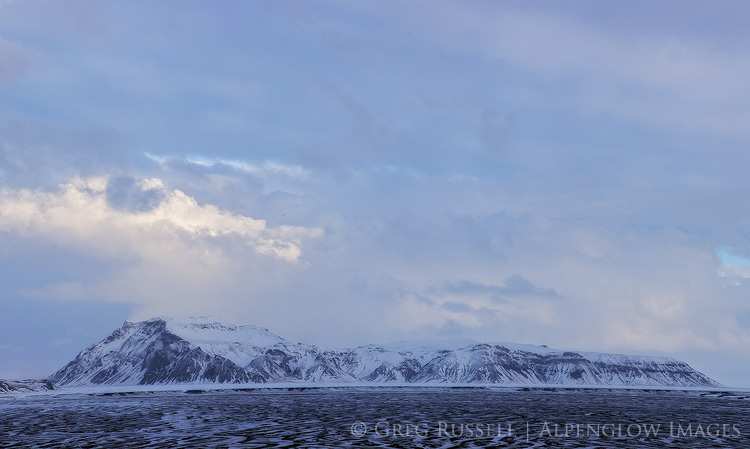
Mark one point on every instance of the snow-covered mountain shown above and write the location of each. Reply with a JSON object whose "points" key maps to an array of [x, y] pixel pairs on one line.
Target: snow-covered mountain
{"points": [[167, 351]]}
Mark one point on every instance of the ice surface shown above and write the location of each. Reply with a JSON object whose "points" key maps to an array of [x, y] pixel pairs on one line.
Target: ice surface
{"points": [[387, 417]]}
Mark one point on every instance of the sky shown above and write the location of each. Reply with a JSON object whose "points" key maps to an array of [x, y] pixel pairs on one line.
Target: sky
{"points": [[564, 173]]}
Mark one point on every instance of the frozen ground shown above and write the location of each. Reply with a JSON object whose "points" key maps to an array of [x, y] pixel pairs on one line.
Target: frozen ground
{"points": [[419, 417]]}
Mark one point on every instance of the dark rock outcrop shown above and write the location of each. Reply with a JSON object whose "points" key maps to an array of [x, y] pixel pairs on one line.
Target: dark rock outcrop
{"points": [[160, 351]]}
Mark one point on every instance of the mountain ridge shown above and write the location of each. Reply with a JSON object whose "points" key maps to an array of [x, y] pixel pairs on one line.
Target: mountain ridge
{"points": [[170, 351]]}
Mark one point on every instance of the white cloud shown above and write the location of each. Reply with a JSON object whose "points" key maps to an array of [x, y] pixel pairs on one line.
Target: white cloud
{"points": [[80, 214], [175, 255], [452, 144], [734, 271], [267, 168], [596, 286]]}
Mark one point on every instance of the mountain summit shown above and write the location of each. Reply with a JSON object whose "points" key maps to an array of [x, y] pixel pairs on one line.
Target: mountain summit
{"points": [[169, 351]]}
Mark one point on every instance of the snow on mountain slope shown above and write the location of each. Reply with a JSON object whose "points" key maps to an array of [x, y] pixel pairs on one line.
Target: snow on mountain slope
{"points": [[163, 351], [240, 344], [208, 330], [24, 386], [147, 353]]}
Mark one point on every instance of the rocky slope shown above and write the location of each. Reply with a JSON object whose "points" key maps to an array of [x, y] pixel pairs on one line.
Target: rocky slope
{"points": [[163, 351], [23, 386]]}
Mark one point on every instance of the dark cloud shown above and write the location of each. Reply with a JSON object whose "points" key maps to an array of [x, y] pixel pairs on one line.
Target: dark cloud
{"points": [[37, 153], [456, 306], [125, 193], [514, 286]]}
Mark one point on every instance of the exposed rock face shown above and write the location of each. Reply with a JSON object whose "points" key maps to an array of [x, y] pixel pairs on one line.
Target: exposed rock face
{"points": [[161, 351], [147, 353], [22, 386]]}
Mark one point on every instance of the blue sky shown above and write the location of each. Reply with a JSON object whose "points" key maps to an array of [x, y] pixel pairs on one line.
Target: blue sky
{"points": [[561, 173]]}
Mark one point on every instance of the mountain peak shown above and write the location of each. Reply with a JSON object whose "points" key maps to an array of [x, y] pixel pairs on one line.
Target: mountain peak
{"points": [[205, 350], [217, 332], [184, 320]]}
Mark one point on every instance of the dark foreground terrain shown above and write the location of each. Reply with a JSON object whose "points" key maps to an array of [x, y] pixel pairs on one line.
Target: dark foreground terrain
{"points": [[379, 417]]}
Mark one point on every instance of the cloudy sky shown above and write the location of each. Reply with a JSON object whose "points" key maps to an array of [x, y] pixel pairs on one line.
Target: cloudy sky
{"points": [[563, 173]]}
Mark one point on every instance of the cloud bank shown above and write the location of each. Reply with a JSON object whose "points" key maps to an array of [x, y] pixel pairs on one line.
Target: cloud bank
{"points": [[343, 173], [167, 248]]}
